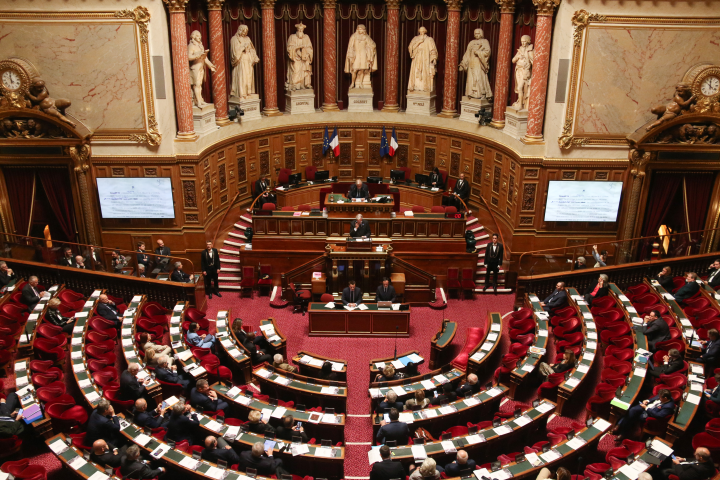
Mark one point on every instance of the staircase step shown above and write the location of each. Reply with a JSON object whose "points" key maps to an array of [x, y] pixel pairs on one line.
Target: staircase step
{"points": [[229, 269], [229, 260], [483, 270], [230, 252], [237, 235], [475, 229], [482, 236], [241, 227], [501, 281], [229, 278], [234, 244], [246, 218], [471, 220], [490, 291], [229, 287]]}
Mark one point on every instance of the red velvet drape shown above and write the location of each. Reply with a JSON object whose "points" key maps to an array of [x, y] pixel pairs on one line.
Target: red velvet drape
{"points": [[57, 189], [662, 192], [698, 190], [19, 184]]}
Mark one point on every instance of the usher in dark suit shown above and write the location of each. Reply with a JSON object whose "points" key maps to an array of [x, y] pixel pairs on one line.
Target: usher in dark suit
{"points": [[260, 187], [462, 190], [362, 231], [387, 470], [385, 295], [556, 299], [354, 296], [210, 265], [493, 260], [362, 193]]}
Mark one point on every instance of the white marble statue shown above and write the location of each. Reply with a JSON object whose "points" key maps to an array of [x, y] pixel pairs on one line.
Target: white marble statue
{"points": [[476, 62], [523, 61], [243, 59], [424, 56], [300, 54], [361, 58], [197, 56]]}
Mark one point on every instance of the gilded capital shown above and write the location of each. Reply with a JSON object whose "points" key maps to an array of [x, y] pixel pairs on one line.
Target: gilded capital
{"points": [[639, 160], [215, 4], [80, 156], [546, 7], [393, 4], [454, 4], [506, 6], [331, 4], [267, 4], [176, 6]]}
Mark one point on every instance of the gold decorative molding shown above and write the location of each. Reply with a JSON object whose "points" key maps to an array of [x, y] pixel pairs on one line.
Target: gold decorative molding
{"points": [[546, 7], [153, 137], [215, 4], [80, 156], [506, 6], [176, 6], [580, 20], [393, 4], [141, 17], [455, 5], [331, 4], [639, 160], [264, 4]]}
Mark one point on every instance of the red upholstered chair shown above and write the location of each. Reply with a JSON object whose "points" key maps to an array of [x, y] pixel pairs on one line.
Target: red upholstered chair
{"points": [[284, 176], [40, 366], [50, 331], [66, 416], [527, 339], [310, 172], [78, 441], [107, 378], [457, 431], [408, 172], [603, 302], [195, 315], [637, 289], [451, 209], [549, 388], [51, 393], [418, 209], [437, 209], [152, 309], [265, 284], [613, 331], [288, 208], [101, 337], [99, 352], [571, 339], [304, 208], [269, 206], [48, 350], [617, 457], [247, 284], [453, 279], [708, 441], [468, 282], [299, 297], [713, 427], [119, 405], [21, 469], [599, 404], [472, 340], [14, 311], [646, 298], [327, 297], [97, 364], [521, 314], [100, 324]]}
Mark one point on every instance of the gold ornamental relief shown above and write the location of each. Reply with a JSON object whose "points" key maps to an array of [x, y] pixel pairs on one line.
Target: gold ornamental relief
{"points": [[546, 7], [506, 6], [175, 6], [580, 20], [141, 17]]}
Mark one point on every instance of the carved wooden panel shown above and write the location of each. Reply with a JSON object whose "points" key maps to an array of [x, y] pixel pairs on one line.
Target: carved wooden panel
{"points": [[241, 170], [373, 173], [528, 199], [243, 190], [264, 142], [496, 179], [511, 188], [512, 165], [206, 162], [374, 154], [189, 197], [477, 171], [208, 190], [494, 201], [222, 176], [526, 220], [454, 164], [479, 150], [532, 173], [223, 199], [345, 154], [429, 158], [345, 133], [118, 172], [317, 158], [221, 154], [316, 135], [346, 173], [601, 175], [289, 138], [240, 148], [403, 136], [187, 170], [475, 192], [498, 157], [402, 155], [568, 175], [265, 163], [290, 158], [192, 218], [150, 172], [430, 139], [374, 134], [456, 144]]}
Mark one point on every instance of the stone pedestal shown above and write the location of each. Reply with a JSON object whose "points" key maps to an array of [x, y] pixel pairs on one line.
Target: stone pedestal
{"points": [[515, 122], [204, 119], [298, 102], [360, 100], [421, 103], [470, 106], [250, 105]]}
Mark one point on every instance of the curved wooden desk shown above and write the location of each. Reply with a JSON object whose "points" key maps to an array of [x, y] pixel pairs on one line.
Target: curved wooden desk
{"points": [[489, 345], [440, 342], [237, 359], [291, 386], [270, 331], [402, 359], [327, 322], [308, 364]]}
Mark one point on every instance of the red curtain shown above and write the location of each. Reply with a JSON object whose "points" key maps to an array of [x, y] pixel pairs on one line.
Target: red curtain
{"points": [[57, 189], [698, 187], [19, 184], [663, 188]]}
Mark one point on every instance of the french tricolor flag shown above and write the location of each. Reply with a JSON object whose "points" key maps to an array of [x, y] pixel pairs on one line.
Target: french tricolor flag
{"points": [[335, 143], [393, 143]]}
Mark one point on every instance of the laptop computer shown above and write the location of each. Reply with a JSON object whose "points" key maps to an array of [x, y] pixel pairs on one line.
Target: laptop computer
{"points": [[387, 305]]}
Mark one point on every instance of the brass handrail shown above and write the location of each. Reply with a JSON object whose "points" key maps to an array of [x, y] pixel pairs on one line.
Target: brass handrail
{"points": [[506, 250], [227, 211]]}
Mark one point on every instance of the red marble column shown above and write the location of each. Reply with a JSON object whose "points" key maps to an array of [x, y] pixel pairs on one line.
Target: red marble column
{"points": [[217, 52], [502, 72], [452, 40], [181, 65], [541, 62], [392, 55], [269, 68], [330, 54]]}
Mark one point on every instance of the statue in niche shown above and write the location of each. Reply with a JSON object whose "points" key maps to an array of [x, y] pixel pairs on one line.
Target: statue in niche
{"points": [[197, 56], [678, 105], [424, 56], [41, 100], [476, 62], [523, 61], [300, 53], [361, 58], [243, 58]]}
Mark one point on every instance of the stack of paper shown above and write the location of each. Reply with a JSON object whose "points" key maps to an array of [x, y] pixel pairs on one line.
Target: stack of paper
{"points": [[473, 439], [374, 455], [503, 430], [419, 452], [449, 446], [407, 417]]}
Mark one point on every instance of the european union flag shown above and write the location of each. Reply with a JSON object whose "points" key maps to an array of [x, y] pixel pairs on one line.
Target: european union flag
{"points": [[384, 147], [326, 141]]}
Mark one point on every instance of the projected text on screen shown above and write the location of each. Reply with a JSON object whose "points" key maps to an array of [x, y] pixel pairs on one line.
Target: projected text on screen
{"points": [[135, 198], [582, 201]]}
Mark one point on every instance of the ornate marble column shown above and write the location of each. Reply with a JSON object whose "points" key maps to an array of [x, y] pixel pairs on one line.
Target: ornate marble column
{"points": [[181, 64], [80, 156], [502, 72], [330, 54], [269, 68], [538, 85], [392, 56], [452, 46], [217, 52]]}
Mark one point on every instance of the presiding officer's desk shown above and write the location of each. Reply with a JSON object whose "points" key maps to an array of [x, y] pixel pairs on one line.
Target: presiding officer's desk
{"points": [[372, 322], [338, 202]]}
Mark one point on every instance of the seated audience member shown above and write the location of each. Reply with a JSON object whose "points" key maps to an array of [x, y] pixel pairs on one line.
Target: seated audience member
{"points": [[142, 257], [462, 462], [562, 473], [53, 315], [30, 293], [6, 275], [386, 469], [182, 424], [281, 364], [600, 257], [146, 344], [132, 467], [580, 263], [108, 310], [411, 370], [241, 335], [130, 387], [428, 470], [326, 372], [655, 329], [262, 461], [672, 362], [205, 399], [169, 374], [141, 271], [218, 449], [359, 190], [390, 401], [418, 399], [94, 258], [699, 468], [447, 396], [151, 358], [688, 290], [103, 424], [665, 279], [256, 356], [385, 292], [557, 299], [151, 419], [163, 258], [567, 363], [471, 385], [394, 430], [388, 374], [290, 429], [68, 259], [597, 291], [179, 276], [117, 261], [102, 454], [710, 349], [10, 417], [713, 395], [659, 406], [80, 262], [200, 341], [258, 423], [352, 295], [713, 274]]}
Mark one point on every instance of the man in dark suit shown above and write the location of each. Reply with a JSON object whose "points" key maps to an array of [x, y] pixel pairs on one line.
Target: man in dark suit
{"points": [[714, 274], [103, 424], [713, 395], [659, 406], [218, 449], [359, 228], [655, 329], [390, 401], [108, 310], [460, 191], [665, 279], [168, 374], [132, 467], [262, 461], [205, 399], [261, 185], [80, 262], [688, 290], [699, 468], [94, 259], [179, 276], [672, 362], [387, 469], [142, 256], [385, 292], [710, 349], [472, 385], [557, 299], [181, 426], [151, 419], [352, 295], [30, 293], [447, 396], [130, 387], [210, 266], [599, 290], [163, 260], [493, 260], [462, 462], [290, 429], [6, 275], [436, 180], [68, 259], [395, 430], [102, 454], [359, 190]]}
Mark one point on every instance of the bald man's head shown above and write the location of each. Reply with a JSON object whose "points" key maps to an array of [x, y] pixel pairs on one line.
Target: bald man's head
{"points": [[462, 457], [99, 446], [210, 441], [702, 455], [472, 379], [140, 405]]}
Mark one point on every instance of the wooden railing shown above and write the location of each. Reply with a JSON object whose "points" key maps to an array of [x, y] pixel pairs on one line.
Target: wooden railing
{"points": [[289, 276], [430, 278]]}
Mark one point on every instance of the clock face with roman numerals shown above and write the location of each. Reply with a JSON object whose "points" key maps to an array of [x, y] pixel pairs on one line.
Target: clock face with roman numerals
{"points": [[11, 80], [710, 85]]}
